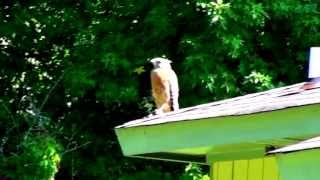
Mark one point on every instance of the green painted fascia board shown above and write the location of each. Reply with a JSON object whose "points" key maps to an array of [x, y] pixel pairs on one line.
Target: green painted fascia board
{"points": [[292, 122], [174, 157], [240, 154]]}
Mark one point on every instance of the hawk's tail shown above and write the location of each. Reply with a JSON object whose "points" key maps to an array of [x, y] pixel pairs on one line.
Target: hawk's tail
{"points": [[174, 105]]}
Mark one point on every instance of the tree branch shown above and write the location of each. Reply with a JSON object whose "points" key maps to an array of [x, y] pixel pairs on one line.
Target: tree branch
{"points": [[50, 91]]}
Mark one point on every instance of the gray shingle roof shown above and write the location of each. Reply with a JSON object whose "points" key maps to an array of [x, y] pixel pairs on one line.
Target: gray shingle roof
{"points": [[304, 145], [271, 100]]}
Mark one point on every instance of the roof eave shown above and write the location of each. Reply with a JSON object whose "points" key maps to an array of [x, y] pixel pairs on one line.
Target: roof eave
{"points": [[260, 128]]}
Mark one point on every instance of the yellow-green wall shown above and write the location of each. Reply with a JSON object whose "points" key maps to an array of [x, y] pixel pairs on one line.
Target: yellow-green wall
{"points": [[300, 165], [253, 169]]}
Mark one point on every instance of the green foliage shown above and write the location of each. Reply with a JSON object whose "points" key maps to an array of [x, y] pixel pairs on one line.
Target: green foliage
{"points": [[191, 172], [84, 63], [194, 172], [259, 80], [148, 174], [39, 159], [28, 146]]}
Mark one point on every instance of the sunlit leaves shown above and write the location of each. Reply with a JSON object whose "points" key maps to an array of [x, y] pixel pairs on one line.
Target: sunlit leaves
{"points": [[4, 42], [219, 49], [139, 70], [215, 9], [194, 172], [39, 159], [259, 81], [85, 38], [234, 44]]}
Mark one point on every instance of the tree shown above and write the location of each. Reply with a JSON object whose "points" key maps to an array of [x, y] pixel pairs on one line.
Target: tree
{"points": [[81, 67]]}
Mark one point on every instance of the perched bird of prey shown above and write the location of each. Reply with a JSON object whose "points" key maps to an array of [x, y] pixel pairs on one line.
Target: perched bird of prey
{"points": [[164, 83]]}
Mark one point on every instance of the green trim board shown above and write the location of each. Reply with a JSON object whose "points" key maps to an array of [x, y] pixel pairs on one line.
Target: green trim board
{"points": [[237, 154], [184, 158], [212, 134]]}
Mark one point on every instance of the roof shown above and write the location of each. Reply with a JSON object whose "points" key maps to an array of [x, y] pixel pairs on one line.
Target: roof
{"points": [[304, 145], [238, 128], [276, 99]]}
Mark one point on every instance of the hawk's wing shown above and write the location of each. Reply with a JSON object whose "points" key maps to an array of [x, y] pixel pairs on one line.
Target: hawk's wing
{"points": [[161, 88], [174, 90]]}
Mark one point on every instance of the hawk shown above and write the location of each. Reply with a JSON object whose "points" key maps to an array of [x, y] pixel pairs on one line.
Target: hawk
{"points": [[164, 83]]}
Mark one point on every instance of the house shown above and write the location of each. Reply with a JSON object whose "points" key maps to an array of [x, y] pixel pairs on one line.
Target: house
{"points": [[269, 135], [299, 161]]}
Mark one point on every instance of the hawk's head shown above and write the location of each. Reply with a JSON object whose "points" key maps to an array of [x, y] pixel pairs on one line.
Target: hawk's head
{"points": [[161, 62]]}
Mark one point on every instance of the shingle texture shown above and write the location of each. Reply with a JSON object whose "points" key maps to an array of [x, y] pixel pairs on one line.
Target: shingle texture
{"points": [[304, 145], [276, 99]]}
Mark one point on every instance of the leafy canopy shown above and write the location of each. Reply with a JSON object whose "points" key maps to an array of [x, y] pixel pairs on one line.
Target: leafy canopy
{"points": [[75, 69]]}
